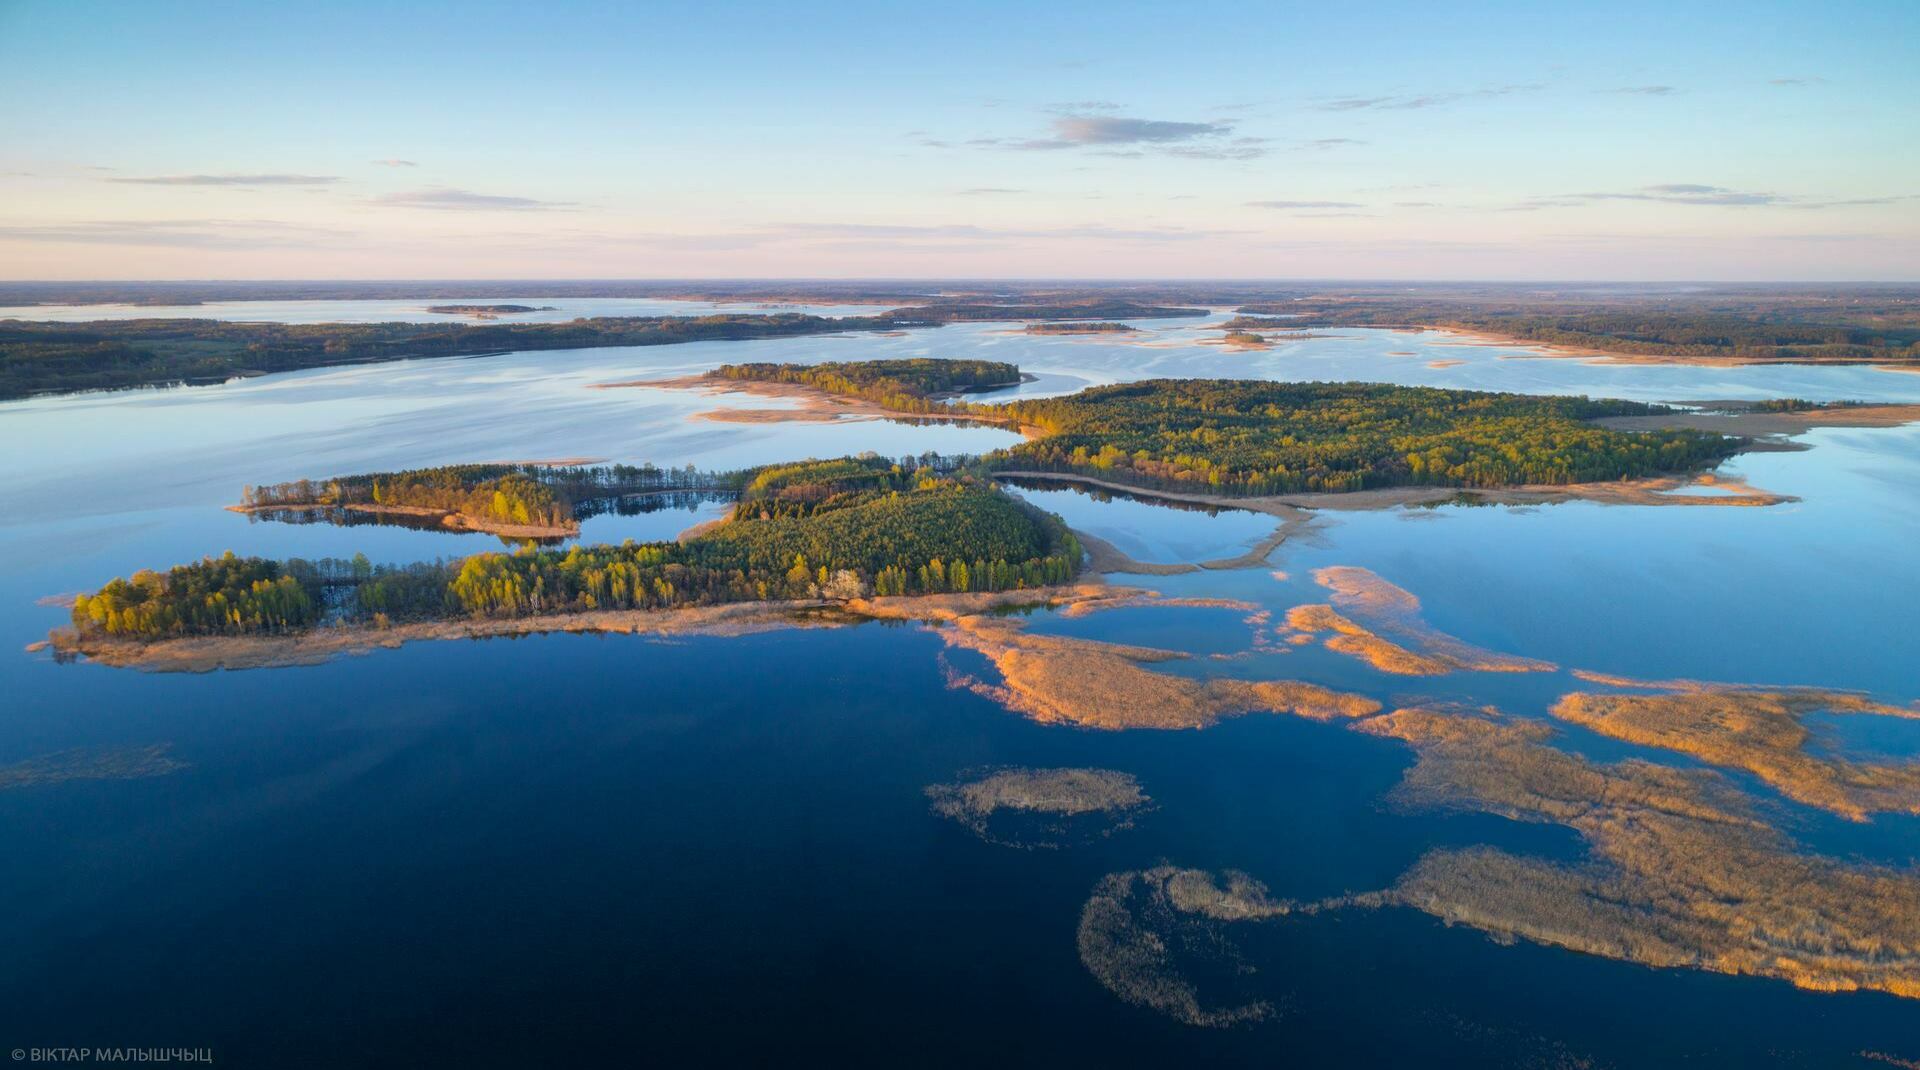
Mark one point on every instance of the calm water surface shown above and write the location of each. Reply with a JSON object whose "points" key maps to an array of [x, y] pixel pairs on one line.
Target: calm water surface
{"points": [[564, 848]]}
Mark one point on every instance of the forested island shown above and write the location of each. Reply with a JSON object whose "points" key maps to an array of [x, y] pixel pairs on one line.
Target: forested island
{"points": [[518, 500], [839, 529], [1751, 330], [915, 385], [1259, 437], [1079, 328], [487, 311], [1254, 437]]}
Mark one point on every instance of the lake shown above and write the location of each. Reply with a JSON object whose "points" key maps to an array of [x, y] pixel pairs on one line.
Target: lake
{"points": [[613, 850]]}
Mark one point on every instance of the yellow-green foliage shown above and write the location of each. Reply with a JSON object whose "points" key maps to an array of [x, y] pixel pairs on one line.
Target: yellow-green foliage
{"points": [[219, 595]]}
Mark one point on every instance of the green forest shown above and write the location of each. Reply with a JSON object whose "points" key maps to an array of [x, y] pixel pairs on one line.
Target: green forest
{"points": [[825, 529], [915, 385], [1258, 437]]}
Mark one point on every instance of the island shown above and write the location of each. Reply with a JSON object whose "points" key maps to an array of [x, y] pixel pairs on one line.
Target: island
{"points": [[1079, 328], [487, 312], [843, 529], [538, 501]]}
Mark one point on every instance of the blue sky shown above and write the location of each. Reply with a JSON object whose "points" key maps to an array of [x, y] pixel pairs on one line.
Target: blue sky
{"points": [[1507, 141]]}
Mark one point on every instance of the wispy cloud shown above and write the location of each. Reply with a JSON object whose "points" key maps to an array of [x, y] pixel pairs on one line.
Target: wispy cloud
{"points": [[1647, 90], [965, 232], [1297, 205], [988, 191], [176, 233], [229, 180], [1079, 131], [1851, 202], [460, 200], [1406, 102], [1127, 136], [1687, 193], [1791, 82], [396, 163], [1322, 143]]}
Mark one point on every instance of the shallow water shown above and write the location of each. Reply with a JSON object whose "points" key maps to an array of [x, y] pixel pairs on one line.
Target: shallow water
{"points": [[571, 847]]}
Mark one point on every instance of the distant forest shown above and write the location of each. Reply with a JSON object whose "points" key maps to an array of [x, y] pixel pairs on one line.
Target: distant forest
{"points": [[42, 357]]}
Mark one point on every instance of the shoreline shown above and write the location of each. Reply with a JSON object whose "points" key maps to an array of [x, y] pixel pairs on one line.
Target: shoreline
{"points": [[1785, 424], [1560, 351], [206, 653], [1660, 490]]}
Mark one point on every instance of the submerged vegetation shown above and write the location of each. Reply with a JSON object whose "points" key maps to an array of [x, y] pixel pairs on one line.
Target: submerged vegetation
{"points": [[1041, 808]]}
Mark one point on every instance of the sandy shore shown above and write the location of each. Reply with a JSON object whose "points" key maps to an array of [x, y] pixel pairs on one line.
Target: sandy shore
{"points": [[1770, 423], [1662, 491], [207, 653], [1533, 348]]}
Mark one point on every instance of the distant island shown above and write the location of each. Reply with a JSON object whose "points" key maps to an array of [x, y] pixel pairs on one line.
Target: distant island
{"points": [[487, 312], [1732, 323], [1079, 328]]}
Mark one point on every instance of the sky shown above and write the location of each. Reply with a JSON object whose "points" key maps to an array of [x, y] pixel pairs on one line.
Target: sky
{"points": [[1620, 141]]}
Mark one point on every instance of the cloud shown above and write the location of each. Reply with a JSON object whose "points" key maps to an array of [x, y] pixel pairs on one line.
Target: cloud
{"points": [[1790, 82], [1321, 143], [176, 233], [460, 200], [1689, 193], [1647, 90], [1417, 204], [1293, 205], [987, 191], [1075, 131], [1125, 136], [970, 232], [1427, 100], [230, 180], [1852, 202], [396, 163], [1081, 107]]}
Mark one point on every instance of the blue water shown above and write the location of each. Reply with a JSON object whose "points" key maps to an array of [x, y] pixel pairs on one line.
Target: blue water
{"points": [[567, 849]]}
